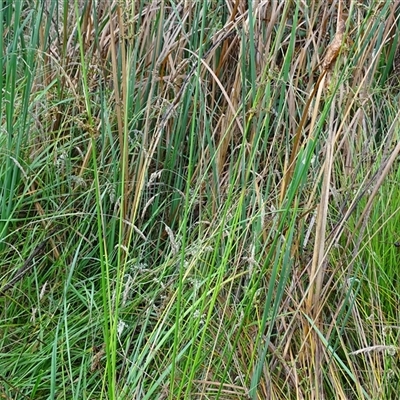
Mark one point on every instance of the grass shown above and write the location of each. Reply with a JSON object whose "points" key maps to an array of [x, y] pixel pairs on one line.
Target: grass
{"points": [[199, 200]]}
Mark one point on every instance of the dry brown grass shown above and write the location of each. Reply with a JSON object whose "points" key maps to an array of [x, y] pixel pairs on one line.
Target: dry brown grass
{"points": [[309, 88]]}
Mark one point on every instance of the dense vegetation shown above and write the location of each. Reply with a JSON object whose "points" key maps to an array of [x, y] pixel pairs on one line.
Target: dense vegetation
{"points": [[199, 199]]}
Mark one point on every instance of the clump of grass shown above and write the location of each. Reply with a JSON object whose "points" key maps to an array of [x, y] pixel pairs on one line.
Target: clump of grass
{"points": [[202, 198]]}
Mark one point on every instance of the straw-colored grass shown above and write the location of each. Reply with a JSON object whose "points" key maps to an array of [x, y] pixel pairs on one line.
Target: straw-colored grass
{"points": [[199, 199]]}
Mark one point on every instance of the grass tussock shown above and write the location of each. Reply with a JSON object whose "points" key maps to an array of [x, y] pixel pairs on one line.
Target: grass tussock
{"points": [[199, 199]]}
